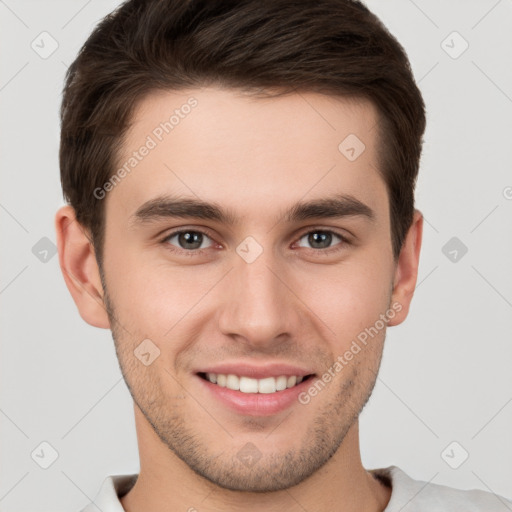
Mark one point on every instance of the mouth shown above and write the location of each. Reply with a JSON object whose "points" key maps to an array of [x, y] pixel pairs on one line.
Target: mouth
{"points": [[249, 385], [248, 389]]}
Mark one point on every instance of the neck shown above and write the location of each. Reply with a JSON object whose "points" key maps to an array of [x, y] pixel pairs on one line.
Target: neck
{"points": [[166, 483]]}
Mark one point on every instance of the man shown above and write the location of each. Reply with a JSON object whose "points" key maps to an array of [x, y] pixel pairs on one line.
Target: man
{"points": [[240, 178]]}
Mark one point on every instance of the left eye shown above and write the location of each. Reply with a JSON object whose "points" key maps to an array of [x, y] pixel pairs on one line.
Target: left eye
{"points": [[321, 239]]}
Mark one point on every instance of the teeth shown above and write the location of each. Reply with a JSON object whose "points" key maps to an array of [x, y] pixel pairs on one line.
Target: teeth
{"points": [[249, 385], [233, 382], [267, 385], [281, 383]]}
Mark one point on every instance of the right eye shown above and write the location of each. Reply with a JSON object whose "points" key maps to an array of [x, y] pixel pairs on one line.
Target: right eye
{"points": [[189, 240]]}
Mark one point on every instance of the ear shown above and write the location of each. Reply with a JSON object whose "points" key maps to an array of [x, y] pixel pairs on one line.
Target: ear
{"points": [[79, 268], [406, 271]]}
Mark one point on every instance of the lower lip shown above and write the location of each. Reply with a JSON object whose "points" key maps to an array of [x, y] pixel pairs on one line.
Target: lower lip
{"points": [[256, 404]]}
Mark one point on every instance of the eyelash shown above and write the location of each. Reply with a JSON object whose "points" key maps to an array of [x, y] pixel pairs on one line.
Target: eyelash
{"points": [[199, 252]]}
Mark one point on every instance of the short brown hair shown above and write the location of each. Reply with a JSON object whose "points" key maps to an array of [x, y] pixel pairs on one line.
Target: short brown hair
{"points": [[335, 47]]}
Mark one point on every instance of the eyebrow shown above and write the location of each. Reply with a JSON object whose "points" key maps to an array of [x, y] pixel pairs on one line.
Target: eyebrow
{"points": [[162, 207]]}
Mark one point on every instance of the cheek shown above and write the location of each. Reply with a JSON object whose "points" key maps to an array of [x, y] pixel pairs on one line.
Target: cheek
{"points": [[152, 296], [348, 297]]}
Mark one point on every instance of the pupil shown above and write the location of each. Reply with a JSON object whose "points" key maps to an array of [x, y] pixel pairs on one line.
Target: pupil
{"points": [[318, 239], [188, 238]]}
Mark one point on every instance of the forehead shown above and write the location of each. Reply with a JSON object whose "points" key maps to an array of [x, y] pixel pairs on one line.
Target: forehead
{"points": [[252, 153]]}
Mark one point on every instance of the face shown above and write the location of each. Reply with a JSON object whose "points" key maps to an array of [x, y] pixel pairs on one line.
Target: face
{"points": [[249, 287]]}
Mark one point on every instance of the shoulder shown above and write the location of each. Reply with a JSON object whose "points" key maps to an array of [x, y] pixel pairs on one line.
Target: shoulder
{"points": [[112, 488], [410, 495]]}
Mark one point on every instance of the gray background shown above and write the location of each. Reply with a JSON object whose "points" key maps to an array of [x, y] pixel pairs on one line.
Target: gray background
{"points": [[445, 374]]}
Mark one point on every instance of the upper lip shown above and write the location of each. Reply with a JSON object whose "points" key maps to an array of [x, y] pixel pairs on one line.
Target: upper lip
{"points": [[257, 371]]}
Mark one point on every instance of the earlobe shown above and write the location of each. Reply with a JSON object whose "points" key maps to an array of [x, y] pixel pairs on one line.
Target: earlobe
{"points": [[79, 268], [406, 272]]}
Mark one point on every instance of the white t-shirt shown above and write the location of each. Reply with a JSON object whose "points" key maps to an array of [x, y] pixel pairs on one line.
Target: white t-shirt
{"points": [[407, 495]]}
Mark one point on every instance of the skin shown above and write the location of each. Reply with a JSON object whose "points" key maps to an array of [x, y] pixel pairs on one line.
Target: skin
{"points": [[292, 304]]}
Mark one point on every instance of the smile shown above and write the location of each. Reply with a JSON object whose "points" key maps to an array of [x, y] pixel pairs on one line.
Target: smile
{"points": [[245, 384]]}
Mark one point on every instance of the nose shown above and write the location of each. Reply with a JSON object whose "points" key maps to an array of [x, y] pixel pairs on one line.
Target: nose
{"points": [[258, 305]]}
